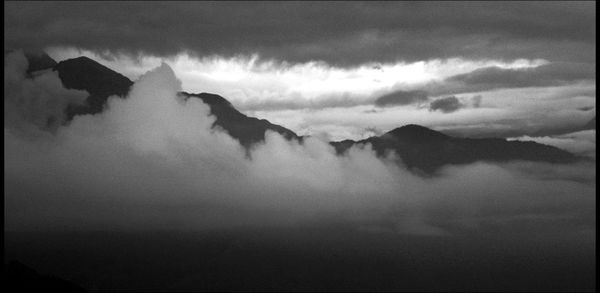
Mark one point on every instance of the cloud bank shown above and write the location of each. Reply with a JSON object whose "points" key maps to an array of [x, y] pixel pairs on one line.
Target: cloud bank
{"points": [[151, 162]]}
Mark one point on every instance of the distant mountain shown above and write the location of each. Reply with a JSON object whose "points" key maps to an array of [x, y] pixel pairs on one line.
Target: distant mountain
{"points": [[248, 130], [426, 150], [421, 149], [99, 81]]}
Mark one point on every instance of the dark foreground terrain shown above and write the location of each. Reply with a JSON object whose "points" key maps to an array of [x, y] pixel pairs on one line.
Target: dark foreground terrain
{"points": [[307, 258]]}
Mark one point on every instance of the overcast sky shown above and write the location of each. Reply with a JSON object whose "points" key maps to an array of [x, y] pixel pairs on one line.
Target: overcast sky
{"points": [[346, 70]]}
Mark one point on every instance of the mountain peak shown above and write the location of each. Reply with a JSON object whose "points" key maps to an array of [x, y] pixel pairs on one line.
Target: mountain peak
{"points": [[415, 132], [84, 64], [418, 147], [83, 73], [210, 99], [82, 58]]}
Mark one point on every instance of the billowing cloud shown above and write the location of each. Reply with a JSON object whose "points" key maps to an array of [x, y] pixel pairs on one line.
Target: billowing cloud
{"points": [[152, 161], [446, 105], [337, 33], [37, 102]]}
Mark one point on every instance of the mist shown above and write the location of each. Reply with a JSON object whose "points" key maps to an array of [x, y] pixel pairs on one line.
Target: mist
{"points": [[152, 161]]}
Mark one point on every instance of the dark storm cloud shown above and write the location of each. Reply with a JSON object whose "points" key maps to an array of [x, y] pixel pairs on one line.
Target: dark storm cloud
{"points": [[446, 105], [401, 98], [339, 33]]}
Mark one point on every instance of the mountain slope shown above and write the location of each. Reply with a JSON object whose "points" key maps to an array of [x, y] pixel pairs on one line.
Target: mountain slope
{"points": [[426, 150], [83, 73], [100, 82], [248, 130], [419, 148]]}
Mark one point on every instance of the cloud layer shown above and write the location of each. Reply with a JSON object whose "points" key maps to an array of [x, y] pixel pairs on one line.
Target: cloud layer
{"points": [[337, 33], [151, 161], [401, 98]]}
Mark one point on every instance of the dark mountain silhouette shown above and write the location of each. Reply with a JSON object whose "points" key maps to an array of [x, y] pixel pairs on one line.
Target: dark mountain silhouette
{"points": [[248, 130], [423, 149], [21, 278], [100, 82], [419, 148]]}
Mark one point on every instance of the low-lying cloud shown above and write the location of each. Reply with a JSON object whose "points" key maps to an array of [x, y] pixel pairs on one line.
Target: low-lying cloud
{"points": [[152, 161], [551, 74], [581, 142], [446, 105], [37, 102], [401, 98]]}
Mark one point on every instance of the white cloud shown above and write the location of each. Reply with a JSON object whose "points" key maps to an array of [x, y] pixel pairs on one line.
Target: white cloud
{"points": [[252, 83], [40, 100], [303, 97], [580, 142], [152, 161]]}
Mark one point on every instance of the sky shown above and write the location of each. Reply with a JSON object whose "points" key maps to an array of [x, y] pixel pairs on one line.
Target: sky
{"points": [[331, 70], [347, 70]]}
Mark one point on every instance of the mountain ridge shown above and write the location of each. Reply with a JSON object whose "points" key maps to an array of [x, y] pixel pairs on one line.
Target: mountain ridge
{"points": [[419, 148], [425, 150]]}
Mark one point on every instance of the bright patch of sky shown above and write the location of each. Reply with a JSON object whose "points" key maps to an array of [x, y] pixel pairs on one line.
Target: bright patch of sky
{"points": [[249, 81], [315, 98]]}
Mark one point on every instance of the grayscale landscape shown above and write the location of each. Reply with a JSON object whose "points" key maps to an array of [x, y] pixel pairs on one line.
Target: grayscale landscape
{"points": [[299, 146]]}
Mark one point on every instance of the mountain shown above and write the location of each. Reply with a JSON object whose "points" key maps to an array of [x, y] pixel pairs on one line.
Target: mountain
{"points": [[426, 150], [248, 130], [38, 60], [421, 149], [100, 82]]}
